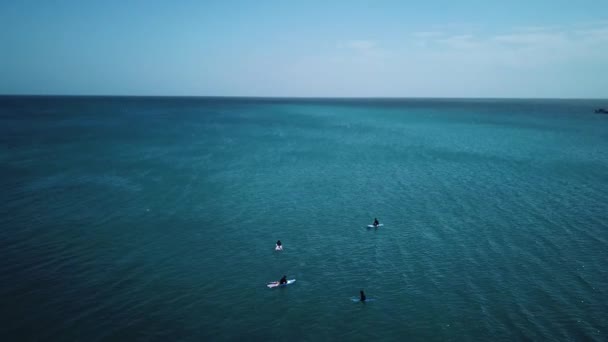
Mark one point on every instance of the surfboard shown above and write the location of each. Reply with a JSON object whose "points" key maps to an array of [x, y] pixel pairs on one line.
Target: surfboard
{"points": [[278, 248], [372, 226], [276, 283], [357, 299]]}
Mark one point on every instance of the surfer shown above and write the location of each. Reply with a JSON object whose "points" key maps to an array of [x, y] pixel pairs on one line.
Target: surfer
{"points": [[362, 296], [283, 281], [279, 246], [280, 282], [376, 223]]}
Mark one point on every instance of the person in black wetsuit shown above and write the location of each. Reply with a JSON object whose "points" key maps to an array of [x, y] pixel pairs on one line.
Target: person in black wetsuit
{"points": [[376, 223], [283, 280], [279, 244], [363, 298]]}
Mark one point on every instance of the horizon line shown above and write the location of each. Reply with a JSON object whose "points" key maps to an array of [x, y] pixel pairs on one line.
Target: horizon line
{"points": [[308, 97]]}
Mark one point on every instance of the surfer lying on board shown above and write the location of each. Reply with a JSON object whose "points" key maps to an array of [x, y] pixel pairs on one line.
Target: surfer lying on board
{"points": [[376, 223], [282, 281], [279, 246]]}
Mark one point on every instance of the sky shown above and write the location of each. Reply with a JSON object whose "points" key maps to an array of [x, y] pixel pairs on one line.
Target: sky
{"points": [[465, 48]]}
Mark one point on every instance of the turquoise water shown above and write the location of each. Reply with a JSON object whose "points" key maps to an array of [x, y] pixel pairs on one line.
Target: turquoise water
{"points": [[156, 219]]}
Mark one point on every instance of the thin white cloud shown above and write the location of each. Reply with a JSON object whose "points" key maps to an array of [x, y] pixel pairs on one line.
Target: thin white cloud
{"points": [[427, 34], [359, 44], [599, 34], [532, 38], [528, 49], [464, 41], [518, 35]]}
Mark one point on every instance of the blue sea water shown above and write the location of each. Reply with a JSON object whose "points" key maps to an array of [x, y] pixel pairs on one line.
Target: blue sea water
{"points": [[156, 219]]}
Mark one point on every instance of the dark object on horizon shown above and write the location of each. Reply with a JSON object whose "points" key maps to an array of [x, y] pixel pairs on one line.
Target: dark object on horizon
{"points": [[601, 111], [362, 298]]}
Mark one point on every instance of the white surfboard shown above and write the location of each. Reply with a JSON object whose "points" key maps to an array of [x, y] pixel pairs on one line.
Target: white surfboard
{"points": [[372, 226], [276, 283], [358, 299]]}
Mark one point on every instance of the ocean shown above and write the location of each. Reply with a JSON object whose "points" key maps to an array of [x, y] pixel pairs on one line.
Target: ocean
{"points": [[155, 219]]}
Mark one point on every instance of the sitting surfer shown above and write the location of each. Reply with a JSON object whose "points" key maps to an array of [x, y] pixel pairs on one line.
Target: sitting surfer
{"points": [[376, 223], [279, 246], [283, 280], [362, 296]]}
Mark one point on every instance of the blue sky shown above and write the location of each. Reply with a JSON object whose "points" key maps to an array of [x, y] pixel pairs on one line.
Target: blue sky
{"points": [[313, 48]]}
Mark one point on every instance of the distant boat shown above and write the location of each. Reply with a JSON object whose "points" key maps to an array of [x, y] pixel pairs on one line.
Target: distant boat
{"points": [[601, 111]]}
